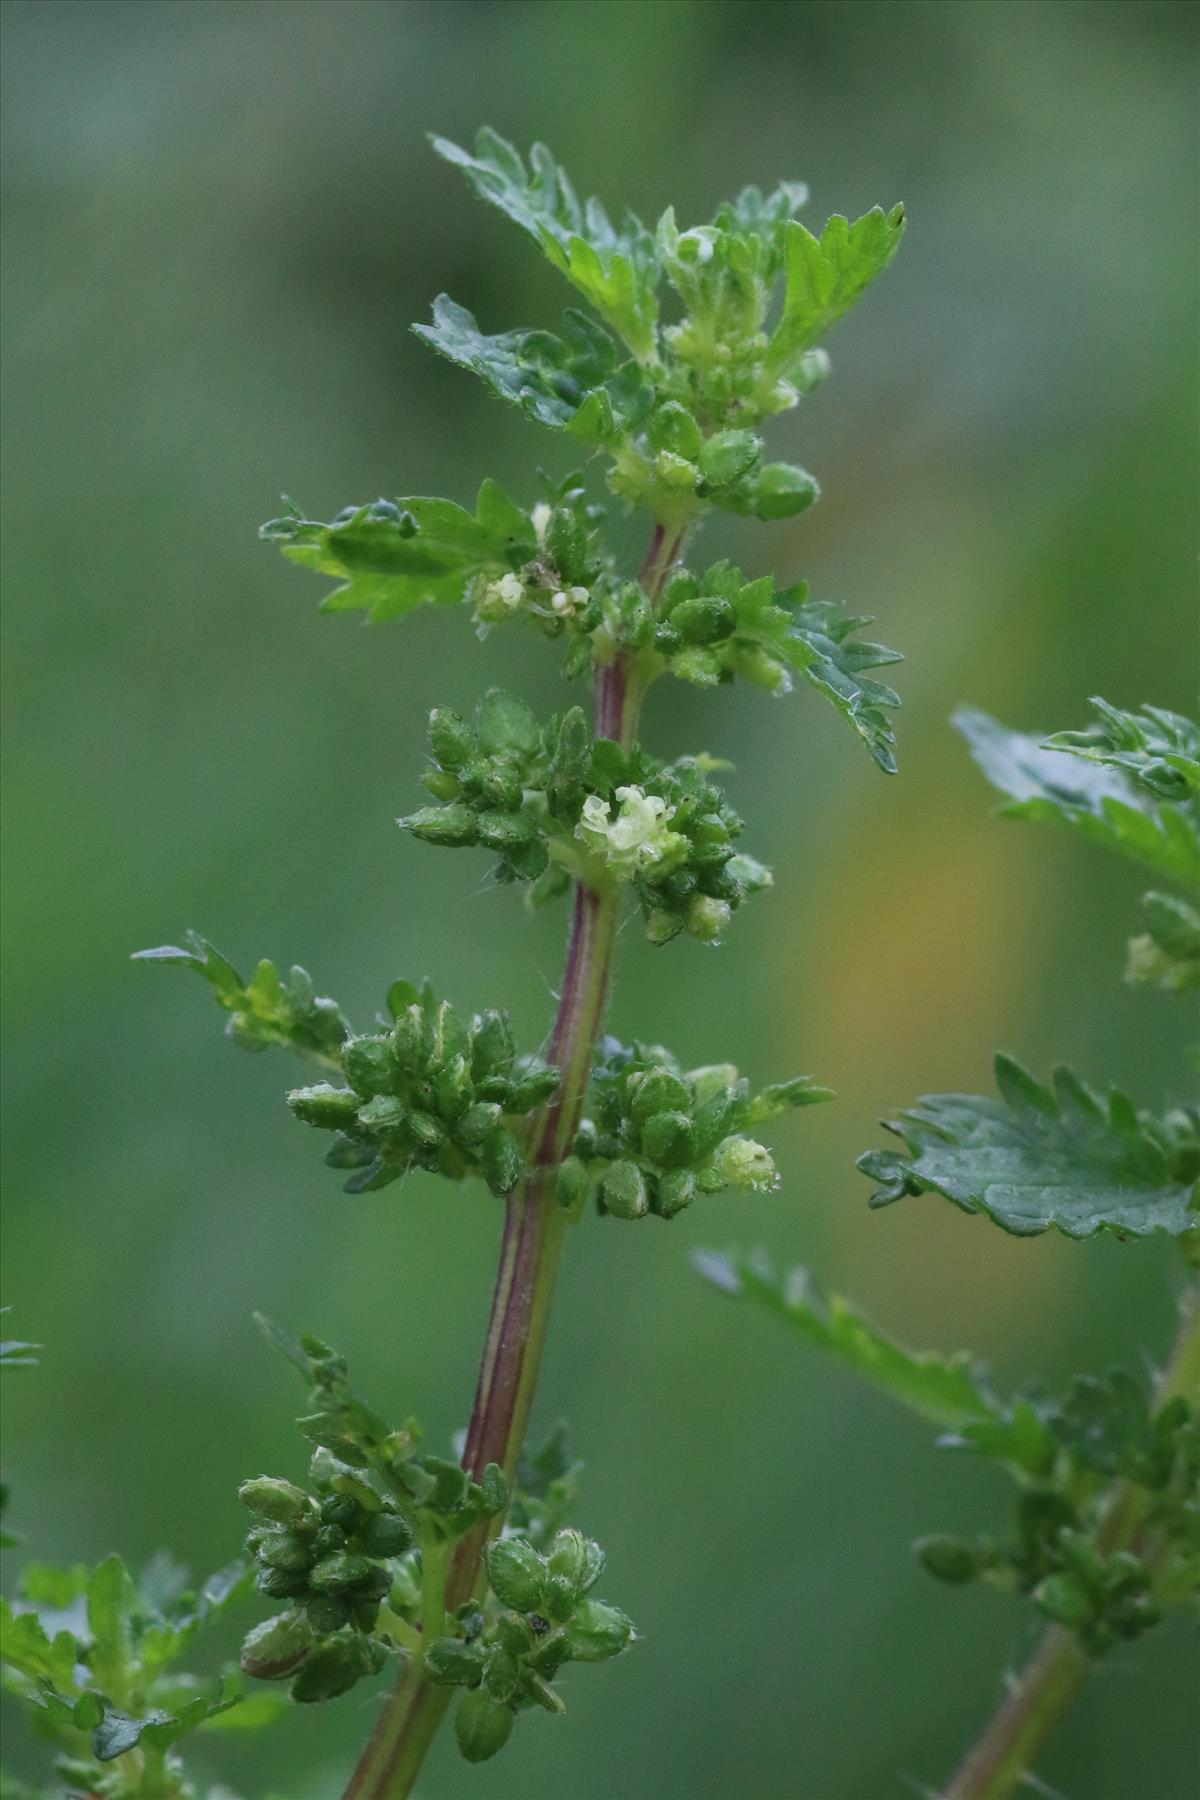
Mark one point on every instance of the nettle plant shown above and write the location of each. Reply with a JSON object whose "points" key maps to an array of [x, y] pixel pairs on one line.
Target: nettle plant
{"points": [[1105, 1532], [463, 1571]]}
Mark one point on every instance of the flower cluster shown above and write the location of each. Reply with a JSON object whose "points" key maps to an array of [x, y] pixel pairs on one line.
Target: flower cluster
{"points": [[432, 1091], [659, 1135], [539, 1617]]}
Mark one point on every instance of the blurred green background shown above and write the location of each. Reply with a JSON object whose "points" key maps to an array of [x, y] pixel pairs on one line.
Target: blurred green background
{"points": [[221, 219]]}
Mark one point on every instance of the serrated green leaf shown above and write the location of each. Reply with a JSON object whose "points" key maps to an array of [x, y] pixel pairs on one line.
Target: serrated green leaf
{"points": [[570, 383], [949, 1390], [27, 1647], [1036, 1158], [111, 1603], [269, 1009], [1159, 750], [817, 644], [1094, 798], [827, 275], [394, 555], [616, 270]]}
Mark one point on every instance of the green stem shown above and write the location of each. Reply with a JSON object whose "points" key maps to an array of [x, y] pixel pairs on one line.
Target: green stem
{"points": [[1013, 1738], [534, 1227]]}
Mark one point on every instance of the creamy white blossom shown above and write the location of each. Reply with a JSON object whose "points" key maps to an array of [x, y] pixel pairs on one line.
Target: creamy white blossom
{"points": [[638, 838]]}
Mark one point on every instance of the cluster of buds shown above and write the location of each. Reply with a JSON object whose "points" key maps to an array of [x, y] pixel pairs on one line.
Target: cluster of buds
{"points": [[432, 1092], [500, 782], [328, 1557], [1103, 1429], [660, 1135], [538, 1617], [552, 802], [347, 1556]]}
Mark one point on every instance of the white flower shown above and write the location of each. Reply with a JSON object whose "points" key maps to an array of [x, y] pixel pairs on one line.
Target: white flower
{"points": [[568, 602], [637, 839], [540, 518], [498, 600]]}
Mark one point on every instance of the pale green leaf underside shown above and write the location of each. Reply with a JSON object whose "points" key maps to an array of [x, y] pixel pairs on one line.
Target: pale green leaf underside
{"points": [[1036, 1158], [1099, 802], [945, 1389], [827, 275]]}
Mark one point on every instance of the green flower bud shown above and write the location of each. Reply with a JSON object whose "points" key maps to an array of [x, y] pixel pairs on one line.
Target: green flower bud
{"points": [[662, 924], [386, 1534], [667, 1139], [281, 1584], [336, 1574], [743, 1164], [505, 832], [516, 1573], [623, 1189], [451, 1484], [453, 1088], [706, 918], [492, 1047], [672, 427], [452, 825], [597, 1631], [383, 1113], [503, 1675], [273, 1498], [330, 1108], [676, 1189], [441, 784], [533, 1085], [328, 1539], [476, 1124], [515, 1634], [368, 1065], [657, 1091], [336, 1666], [1064, 1598], [482, 1726], [727, 456], [676, 472], [277, 1647], [425, 1128], [283, 1550], [576, 1558], [571, 1184], [781, 491], [450, 737], [327, 1613], [449, 1662], [494, 1489], [947, 1558], [503, 1163]]}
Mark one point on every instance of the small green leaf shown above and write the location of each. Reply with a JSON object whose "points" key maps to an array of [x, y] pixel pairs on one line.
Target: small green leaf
{"points": [[570, 383], [1037, 1158], [1159, 750], [827, 275], [817, 644], [394, 555], [111, 1602], [269, 1009]]}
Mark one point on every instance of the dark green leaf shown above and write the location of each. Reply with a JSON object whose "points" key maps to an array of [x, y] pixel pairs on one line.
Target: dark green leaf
{"points": [[1036, 1158]]}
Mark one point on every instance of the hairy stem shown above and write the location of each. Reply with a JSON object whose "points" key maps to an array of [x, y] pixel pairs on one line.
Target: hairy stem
{"points": [[1009, 1744], [534, 1227]]}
